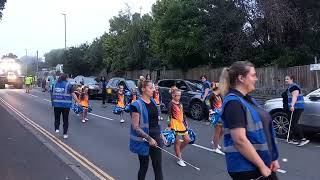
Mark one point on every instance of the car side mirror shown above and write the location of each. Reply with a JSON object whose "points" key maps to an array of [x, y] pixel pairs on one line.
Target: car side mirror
{"points": [[314, 97]]}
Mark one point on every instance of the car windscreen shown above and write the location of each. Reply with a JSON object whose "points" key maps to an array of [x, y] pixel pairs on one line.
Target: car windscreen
{"points": [[194, 86], [131, 84], [89, 81]]}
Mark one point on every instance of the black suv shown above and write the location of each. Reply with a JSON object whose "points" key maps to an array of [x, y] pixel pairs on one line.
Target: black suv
{"points": [[190, 97], [114, 83]]}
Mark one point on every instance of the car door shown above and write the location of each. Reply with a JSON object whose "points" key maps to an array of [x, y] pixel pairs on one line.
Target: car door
{"points": [[311, 114]]}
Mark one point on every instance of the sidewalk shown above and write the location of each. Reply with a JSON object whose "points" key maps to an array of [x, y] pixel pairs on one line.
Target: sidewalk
{"points": [[24, 157]]}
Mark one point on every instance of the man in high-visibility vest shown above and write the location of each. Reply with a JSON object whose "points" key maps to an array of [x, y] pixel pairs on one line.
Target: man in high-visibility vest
{"points": [[27, 82]]}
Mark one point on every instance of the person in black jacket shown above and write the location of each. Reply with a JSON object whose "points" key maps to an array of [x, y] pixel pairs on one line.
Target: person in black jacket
{"points": [[103, 86]]}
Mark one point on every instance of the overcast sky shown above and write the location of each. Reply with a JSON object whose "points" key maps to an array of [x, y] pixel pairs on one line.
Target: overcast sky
{"points": [[38, 24]]}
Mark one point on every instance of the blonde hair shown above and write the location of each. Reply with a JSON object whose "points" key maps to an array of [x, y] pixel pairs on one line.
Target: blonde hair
{"points": [[174, 90], [142, 83], [229, 76]]}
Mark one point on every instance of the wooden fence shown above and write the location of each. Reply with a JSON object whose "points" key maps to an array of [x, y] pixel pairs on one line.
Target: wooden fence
{"points": [[270, 79]]}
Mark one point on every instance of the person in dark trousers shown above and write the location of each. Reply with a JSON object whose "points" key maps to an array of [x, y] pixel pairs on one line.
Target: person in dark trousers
{"points": [[103, 86], [205, 87], [145, 133], [294, 105], [249, 138], [61, 98]]}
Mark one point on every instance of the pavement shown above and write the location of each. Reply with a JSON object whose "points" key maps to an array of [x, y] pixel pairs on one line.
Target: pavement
{"points": [[99, 149]]}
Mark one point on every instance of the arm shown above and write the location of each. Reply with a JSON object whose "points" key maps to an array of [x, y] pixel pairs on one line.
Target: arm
{"points": [[169, 115], [206, 92], [244, 146], [136, 127], [295, 95]]}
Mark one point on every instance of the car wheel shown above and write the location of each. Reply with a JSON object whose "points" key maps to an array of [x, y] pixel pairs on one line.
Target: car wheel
{"points": [[280, 124], [196, 111]]}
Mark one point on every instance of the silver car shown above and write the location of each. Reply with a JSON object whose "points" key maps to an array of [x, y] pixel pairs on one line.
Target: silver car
{"points": [[310, 119]]}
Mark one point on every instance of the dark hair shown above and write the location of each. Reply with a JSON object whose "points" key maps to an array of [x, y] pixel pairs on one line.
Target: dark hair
{"points": [[62, 77], [203, 76], [147, 76], [230, 75], [292, 77]]}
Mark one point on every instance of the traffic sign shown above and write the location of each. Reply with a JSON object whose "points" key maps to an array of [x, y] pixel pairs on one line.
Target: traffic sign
{"points": [[314, 67]]}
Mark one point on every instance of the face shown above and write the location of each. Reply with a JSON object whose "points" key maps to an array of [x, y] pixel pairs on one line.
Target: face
{"points": [[176, 96], [249, 80], [121, 89], [156, 88], [148, 90], [288, 80], [203, 79]]}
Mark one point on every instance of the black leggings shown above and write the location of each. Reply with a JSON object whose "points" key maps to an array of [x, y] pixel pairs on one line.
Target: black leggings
{"points": [[252, 175], [104, 96], [65, 116], [296, 130], [156, 158]]}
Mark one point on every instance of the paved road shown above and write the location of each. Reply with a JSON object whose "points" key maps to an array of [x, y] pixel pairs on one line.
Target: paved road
{"points": [[23, 156], [103, 141]]}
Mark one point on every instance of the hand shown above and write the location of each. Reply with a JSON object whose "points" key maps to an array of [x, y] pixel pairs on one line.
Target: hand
{"points": [[165, 142], [265, 171], [292, 108], [274, 166], [152, 142]]}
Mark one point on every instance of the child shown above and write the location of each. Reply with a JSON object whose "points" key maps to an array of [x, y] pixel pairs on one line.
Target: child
{"points": [[157, 99], [84, 102], [215, 100], [134, 96], [177, 123], [121, 102]]}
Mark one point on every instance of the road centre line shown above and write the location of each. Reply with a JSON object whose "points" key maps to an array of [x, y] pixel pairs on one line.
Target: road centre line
{"points": [[82, 160]]}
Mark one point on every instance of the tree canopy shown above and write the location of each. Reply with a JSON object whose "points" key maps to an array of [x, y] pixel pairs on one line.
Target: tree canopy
{"points": [[188, 33]]}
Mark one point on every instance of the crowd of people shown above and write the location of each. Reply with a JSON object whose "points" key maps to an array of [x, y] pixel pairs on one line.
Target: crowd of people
{"points": [[249, 144]]}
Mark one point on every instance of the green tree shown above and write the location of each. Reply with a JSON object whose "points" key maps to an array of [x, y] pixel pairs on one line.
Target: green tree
{"points": [[2, 5], [10, 55], [75, 62], [54, 57], [178, 33]]}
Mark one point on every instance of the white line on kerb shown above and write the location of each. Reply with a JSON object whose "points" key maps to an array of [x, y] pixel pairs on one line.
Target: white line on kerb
{"points": [[46, 100]]}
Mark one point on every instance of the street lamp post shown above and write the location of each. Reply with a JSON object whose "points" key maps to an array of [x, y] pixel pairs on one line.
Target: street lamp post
{"points": [[65, 30], [26, 61]]}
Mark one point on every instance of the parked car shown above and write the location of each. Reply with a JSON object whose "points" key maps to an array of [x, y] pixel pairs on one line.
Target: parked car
{"points": [[114, 83], [310, 119], [93, 85], [190, 97]]}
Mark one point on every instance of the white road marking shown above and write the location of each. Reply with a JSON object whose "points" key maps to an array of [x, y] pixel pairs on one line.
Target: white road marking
{"points": [[46, 100], [281, 171], [33, 95], [101, 116]]}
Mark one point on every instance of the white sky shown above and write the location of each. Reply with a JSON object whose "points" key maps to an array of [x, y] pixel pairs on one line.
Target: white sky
{"points": [[38, 24]]}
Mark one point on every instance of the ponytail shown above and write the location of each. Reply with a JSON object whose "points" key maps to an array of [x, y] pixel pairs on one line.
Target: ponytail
{"points": [[224, 83]]}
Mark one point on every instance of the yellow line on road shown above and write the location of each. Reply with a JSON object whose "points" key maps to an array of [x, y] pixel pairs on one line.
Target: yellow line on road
{"points": [[82, 160]]}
